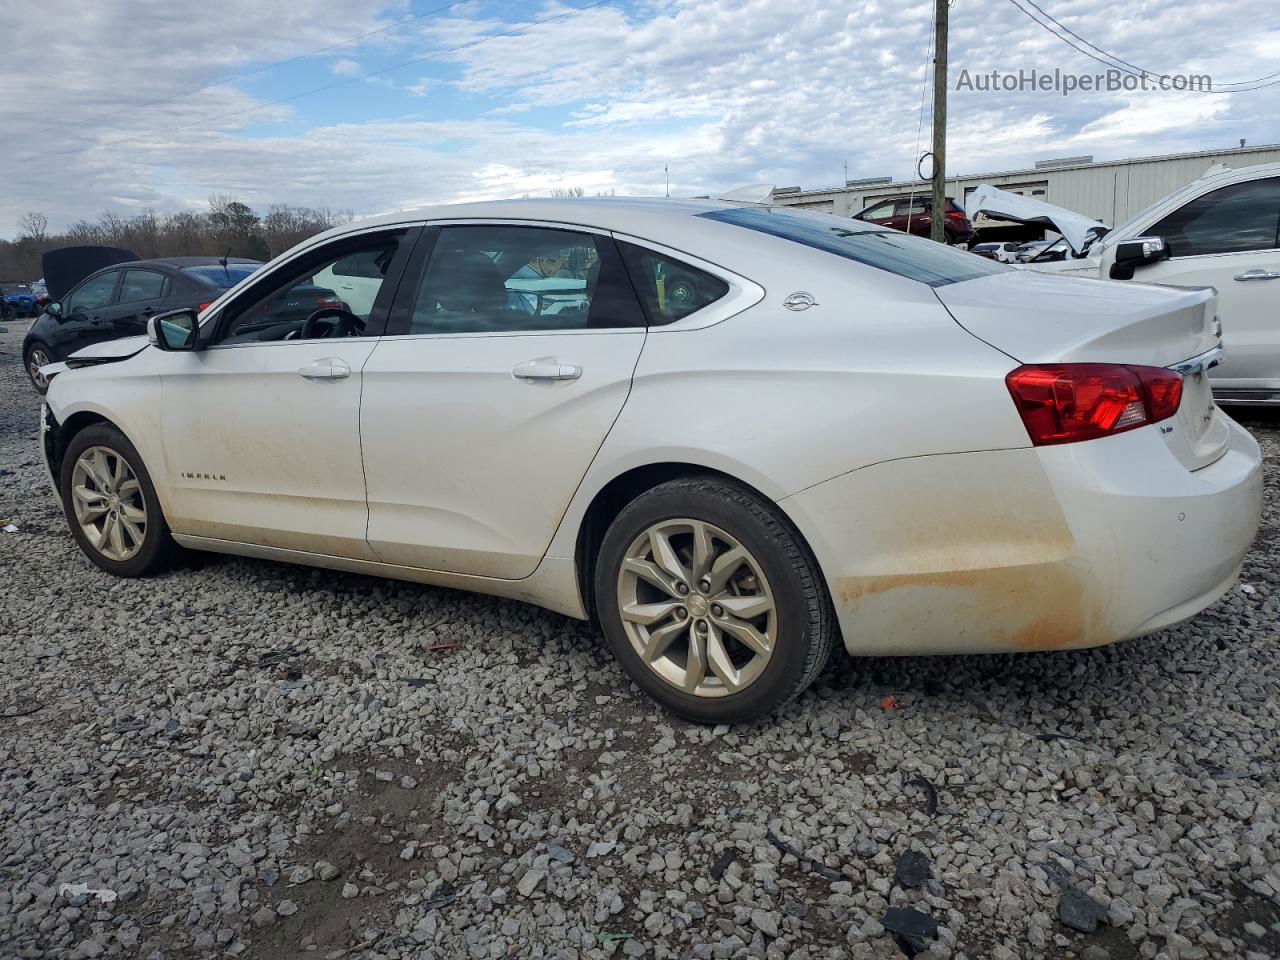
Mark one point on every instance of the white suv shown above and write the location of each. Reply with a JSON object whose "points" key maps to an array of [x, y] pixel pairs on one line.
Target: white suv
{"points": [[1223, 231]]}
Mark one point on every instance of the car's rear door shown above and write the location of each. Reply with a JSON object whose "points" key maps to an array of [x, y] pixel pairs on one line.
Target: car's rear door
{"points": [[480, 413], [142, 293]]}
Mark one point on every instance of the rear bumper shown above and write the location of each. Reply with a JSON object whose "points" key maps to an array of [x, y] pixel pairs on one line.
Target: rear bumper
{"points": [[1032, 549]]}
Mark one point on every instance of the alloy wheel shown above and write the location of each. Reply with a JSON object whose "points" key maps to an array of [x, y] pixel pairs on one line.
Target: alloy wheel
{"points": [[696, 607], [35, 360], [108, 503]]}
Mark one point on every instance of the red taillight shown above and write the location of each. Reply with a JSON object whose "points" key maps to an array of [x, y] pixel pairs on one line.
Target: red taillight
{"points": [[1164, 391], [203, 307], [1067, 402], [329, 302], [955, 214]]}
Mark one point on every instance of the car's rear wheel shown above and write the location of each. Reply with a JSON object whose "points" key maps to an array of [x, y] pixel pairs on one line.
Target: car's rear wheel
{"points": [[111, 504], [37, 356], [712, 601]]}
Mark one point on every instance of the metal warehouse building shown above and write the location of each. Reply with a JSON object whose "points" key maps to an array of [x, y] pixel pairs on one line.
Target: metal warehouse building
{"points": [[1110, 191]]}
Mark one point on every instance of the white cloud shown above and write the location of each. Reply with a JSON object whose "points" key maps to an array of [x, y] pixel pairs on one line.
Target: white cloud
{"points": [[726, 91]]}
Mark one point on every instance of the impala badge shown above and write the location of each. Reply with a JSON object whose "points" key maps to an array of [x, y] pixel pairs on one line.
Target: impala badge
{"points": [[800, 301]]}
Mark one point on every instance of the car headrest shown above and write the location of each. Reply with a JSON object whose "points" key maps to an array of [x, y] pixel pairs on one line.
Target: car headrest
{"points": [[466, 281]]}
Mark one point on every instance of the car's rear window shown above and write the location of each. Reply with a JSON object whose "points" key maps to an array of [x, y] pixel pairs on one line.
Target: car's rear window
{"points": [[215, 275], [892, 250]]}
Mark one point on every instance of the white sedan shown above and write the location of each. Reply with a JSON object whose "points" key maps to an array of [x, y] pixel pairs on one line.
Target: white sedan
{"points": [[763, 430]]}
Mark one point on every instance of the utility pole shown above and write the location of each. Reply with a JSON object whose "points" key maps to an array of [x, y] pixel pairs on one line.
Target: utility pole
{"points": [[938, 215]]}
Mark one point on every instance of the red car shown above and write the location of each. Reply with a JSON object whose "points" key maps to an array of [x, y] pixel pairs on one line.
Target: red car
{"points": [[898, 212]]}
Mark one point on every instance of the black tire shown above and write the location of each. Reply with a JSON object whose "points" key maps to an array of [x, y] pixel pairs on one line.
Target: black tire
{"points": [[29, 364], [158, 549], [805, 626]]}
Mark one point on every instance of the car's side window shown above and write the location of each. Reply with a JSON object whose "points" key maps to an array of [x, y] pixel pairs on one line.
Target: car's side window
{"points": [[94, 294], [1231, 219], [141, 285], [669, 289], [330, 292], [513, 279], [881, 211]]}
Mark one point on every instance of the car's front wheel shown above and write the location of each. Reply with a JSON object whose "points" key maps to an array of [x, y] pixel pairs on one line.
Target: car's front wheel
{"points": [[712, 601], [37, 356], [111, 504]]}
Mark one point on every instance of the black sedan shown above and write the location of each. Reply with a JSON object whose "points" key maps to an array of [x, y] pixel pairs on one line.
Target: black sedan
{"points": [[117, 301]]}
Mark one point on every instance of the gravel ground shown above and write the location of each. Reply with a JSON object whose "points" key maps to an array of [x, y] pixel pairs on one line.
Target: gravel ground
{"points": [[247, 759]]}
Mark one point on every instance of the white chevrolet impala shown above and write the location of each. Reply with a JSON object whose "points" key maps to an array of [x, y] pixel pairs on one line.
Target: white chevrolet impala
{"points": [[731, 433]]}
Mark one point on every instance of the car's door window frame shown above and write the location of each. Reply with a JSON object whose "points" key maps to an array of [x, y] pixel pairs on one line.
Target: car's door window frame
{"points": [[743, 292], [166, 284], [111, 301], [399, 320], [261, 289], [1173, 250]]}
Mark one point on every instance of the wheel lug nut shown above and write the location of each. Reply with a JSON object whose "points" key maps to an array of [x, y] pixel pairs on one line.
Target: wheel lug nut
{"points": [[681, 613], [704, 585], [682, 588], [702, 626], [717, 610]]}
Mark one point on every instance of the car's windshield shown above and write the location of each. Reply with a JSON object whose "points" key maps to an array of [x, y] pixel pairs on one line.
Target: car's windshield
{"points": [[891, 250], [215, 275]]}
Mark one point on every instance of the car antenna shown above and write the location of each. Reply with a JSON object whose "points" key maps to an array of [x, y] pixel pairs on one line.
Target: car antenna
{"points": [[223, 261]]}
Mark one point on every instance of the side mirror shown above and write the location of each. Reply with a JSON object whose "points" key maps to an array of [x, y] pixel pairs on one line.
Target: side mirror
{"points": [[175, 330], [53, 309], [1138, 252]]}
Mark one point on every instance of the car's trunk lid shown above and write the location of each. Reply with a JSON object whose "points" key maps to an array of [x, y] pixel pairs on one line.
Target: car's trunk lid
{"points": [[1041, 318]]}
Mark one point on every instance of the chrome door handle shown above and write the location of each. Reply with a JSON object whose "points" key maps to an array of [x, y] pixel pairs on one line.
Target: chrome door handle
{"points": [[330, 368], [1258, 275], [546, 368]]}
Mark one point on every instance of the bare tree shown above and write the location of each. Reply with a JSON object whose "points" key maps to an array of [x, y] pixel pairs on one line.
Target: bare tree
{"points": [[229, 226], [33, 226]]}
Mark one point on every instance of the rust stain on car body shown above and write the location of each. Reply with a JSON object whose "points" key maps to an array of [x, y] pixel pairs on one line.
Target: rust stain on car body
{"points": [[947, 562], [1035, 607]]}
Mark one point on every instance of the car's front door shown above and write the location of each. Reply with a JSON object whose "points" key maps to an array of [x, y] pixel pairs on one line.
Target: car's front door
{"points": [[262, 426], [483, 406], [1229, 238], [86, 313]]}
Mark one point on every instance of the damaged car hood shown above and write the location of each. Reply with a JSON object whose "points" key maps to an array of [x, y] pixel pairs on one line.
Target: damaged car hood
{"points": [[1075, 228], [96, 354], [109, 350]]}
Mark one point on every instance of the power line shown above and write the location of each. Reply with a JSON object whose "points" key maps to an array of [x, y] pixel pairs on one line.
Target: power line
{"points": [[924, 92], [146, 135], [1142, 70], [1116, 63], [254, 72]]}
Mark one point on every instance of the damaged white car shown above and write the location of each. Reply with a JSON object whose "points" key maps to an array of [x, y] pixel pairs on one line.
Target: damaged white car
{"points": [[1221, 231]]}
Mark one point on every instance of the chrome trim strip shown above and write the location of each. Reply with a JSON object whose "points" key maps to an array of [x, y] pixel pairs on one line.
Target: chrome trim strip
{"points": [[1199, 364]]}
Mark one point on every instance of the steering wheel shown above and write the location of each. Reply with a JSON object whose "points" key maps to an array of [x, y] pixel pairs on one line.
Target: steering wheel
{"points": [[315, 328]]}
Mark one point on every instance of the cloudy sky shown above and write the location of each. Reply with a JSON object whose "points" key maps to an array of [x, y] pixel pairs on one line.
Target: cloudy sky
{"points": [[377, 105]]}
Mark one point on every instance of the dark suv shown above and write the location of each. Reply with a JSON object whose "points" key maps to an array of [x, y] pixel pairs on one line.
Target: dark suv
{"points": [[916, 213]]}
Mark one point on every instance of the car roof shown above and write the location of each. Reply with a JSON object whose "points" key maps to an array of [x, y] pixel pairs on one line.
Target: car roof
{"points": [[610, 213], [674, 223], [180, 262]]}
